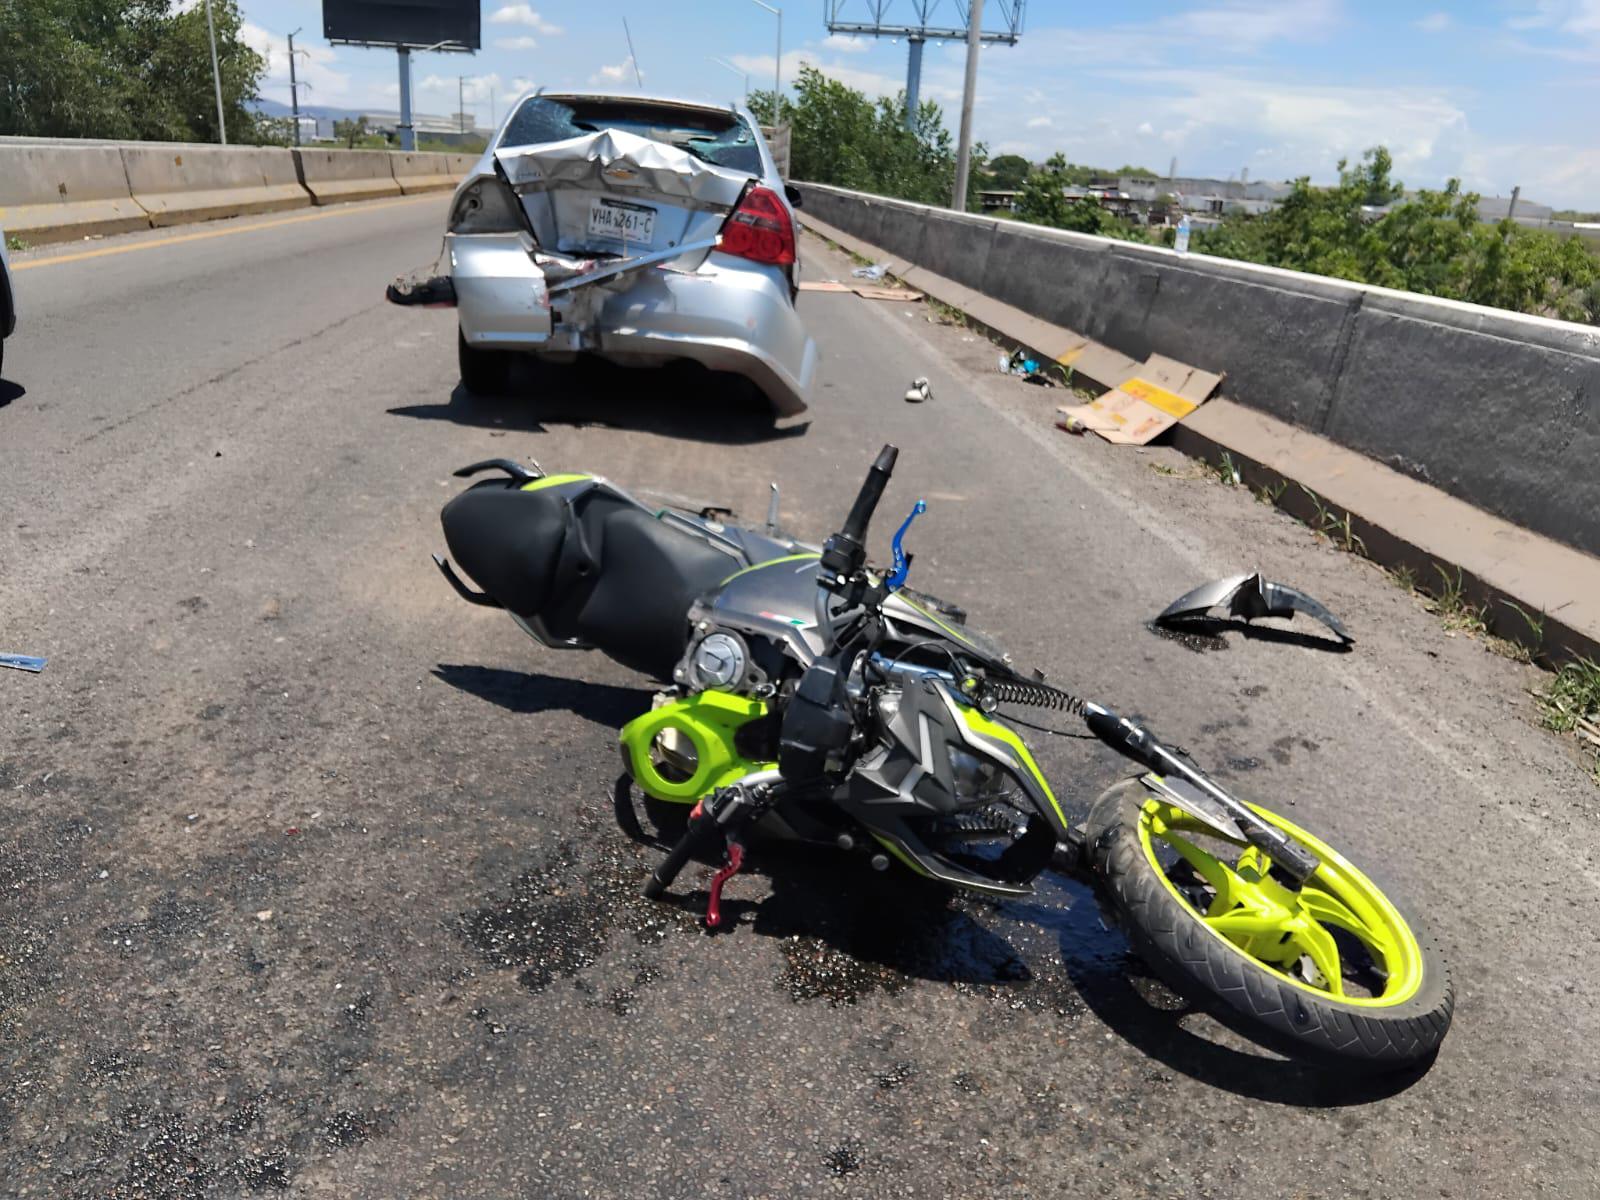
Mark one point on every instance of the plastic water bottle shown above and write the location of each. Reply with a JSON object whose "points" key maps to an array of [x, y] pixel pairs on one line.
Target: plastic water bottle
{"points": [[1181, 242]]}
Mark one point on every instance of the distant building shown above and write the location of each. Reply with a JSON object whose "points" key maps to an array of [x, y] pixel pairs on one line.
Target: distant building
{"points": [[998, 200], [452, 129]]}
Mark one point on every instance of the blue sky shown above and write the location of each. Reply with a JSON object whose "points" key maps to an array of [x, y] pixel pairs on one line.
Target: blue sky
{"points": [[1496, 92]]}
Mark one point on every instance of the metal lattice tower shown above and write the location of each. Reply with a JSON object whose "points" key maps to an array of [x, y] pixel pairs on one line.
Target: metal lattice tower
{"points": [[917, 21]]}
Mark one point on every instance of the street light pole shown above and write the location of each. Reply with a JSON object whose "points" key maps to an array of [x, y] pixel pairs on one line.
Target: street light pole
{"points": [[294, 90], [461, 103], [777, 66], [964, 145], [216, 77]]}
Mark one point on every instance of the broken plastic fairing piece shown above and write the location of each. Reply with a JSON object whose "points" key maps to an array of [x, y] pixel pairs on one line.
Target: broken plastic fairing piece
{"points": [[1249, 597]]}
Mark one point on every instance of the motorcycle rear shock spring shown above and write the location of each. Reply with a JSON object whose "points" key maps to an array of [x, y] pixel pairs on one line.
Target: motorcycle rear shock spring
{"points": [[1032, 695]]}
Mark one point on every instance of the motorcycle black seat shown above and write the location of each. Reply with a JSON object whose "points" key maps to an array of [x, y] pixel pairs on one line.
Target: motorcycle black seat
{"points": [[507, 541], [588, 561]]}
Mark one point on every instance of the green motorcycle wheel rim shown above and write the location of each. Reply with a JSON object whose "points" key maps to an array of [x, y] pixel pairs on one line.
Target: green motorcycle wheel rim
{"points": [[1312, 938]]}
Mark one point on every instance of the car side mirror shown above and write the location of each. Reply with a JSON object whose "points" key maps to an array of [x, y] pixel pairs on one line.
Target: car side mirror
{"points": [[793, 195]]}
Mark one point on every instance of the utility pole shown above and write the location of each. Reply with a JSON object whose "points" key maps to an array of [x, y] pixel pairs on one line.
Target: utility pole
{"points": [[964, 145], [461, 103], [216, 77], [294, 90]]}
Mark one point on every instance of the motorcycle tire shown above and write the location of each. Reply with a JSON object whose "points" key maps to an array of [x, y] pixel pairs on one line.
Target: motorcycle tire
{"points": [[1229, 930]]}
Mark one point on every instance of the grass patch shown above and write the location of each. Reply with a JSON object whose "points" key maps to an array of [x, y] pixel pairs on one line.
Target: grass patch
{"points": [[15, 243], [1571, 704], [946, 314], [1226, 470], [1452, 607]]}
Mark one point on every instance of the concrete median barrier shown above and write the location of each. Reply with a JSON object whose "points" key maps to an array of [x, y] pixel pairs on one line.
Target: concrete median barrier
{"points": [[339, 176], [55, 193], [422, 172], [1499, 409], [178, 184]]}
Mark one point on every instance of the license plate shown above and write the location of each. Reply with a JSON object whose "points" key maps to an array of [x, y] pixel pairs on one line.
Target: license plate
{"points": [[621, 221]]}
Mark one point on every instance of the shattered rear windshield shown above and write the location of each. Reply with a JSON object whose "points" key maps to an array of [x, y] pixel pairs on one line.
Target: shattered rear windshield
{"points": [[722, 138]]}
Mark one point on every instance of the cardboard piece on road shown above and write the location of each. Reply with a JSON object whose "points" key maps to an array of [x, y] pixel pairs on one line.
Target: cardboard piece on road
{"points": [[883, 293], [823, 285], [1140, 408]]}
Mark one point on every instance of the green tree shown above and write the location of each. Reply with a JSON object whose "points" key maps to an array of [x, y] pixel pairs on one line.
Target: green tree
{"points": [[1432, 242], [1043, 202], [1007, 173], [843, 138], [350, 132], [136, 69]]}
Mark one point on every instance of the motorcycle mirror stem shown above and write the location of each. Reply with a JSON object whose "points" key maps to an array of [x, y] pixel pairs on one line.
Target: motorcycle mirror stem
{"points": [[1143, 746]]}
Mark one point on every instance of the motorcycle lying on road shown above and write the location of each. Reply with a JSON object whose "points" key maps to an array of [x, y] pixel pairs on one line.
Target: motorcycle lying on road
{"points": [[821, 699]]}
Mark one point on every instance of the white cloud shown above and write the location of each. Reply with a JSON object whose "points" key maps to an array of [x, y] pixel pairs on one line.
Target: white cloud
{"points": [[1146, 128], [1248, 25], [523, 14], [517, 43], [321, 83], [472, 89], [845, 45], [1435, 22], [941, 84], [617, 73], [1580, 17], [1040, 123]]}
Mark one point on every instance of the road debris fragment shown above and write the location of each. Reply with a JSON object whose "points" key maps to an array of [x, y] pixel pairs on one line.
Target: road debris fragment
{"points": [[919, 391], [1025, 367], [23, 662], [1249, 597]]}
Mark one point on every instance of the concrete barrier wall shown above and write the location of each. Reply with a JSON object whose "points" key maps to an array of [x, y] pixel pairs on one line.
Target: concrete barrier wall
{"points": [[423, 172], [1497, 408], [51, 193], [337, 176], [178, 184], [58, 189]]}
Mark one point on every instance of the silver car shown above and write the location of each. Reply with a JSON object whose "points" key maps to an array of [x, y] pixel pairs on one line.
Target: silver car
{"points": [[639, 229]]}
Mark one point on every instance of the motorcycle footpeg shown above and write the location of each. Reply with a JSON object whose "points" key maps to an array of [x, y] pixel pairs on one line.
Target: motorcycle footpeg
{"points": [[701, 835]]}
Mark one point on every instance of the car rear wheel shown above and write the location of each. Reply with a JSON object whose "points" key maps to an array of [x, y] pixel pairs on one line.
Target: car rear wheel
{"points": [[483, 372]]}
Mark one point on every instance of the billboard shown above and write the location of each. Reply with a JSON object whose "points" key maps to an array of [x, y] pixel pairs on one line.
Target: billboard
{"points": [[414, 23]]}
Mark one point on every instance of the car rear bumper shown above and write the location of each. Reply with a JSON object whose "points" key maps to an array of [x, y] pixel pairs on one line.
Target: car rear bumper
{"points": [[728, 315]]}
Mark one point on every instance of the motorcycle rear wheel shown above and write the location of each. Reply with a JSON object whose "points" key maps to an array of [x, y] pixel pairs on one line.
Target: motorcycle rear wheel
{"points": [[1333, 972]]}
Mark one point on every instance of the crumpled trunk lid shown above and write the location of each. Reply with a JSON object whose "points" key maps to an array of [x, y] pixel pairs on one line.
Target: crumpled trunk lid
{"points": [[616, 194]]}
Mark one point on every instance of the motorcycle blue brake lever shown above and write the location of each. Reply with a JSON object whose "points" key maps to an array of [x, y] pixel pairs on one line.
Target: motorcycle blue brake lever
{"points": [[902, 565]]}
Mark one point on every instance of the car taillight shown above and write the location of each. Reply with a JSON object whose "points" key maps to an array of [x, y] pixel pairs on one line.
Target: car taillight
{"points": [[760, 229], [486, 207]]}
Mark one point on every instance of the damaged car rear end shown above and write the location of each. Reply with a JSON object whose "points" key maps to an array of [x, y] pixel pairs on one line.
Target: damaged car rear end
{"points": [[642, 231]]}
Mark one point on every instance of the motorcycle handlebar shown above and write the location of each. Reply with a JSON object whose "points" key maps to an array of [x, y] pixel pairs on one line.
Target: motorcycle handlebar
{"points": [[855, 525]]}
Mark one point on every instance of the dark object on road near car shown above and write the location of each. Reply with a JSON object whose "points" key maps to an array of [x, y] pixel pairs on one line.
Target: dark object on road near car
{"points": [[436, 291], [8, 308], [1249, 597]]}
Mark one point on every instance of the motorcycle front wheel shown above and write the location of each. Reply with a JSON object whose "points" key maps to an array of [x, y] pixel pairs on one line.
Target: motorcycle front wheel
{"points": [[1333, 971]]}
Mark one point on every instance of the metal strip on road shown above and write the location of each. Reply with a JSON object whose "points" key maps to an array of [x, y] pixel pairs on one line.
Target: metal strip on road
{"points": [[344, 210]]}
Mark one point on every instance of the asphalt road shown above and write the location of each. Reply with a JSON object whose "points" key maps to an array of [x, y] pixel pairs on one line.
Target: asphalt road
{"points": [[309, 878]]}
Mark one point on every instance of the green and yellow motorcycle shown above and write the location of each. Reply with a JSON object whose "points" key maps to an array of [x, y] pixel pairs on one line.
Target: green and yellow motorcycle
{"points": [[813, 696]]}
